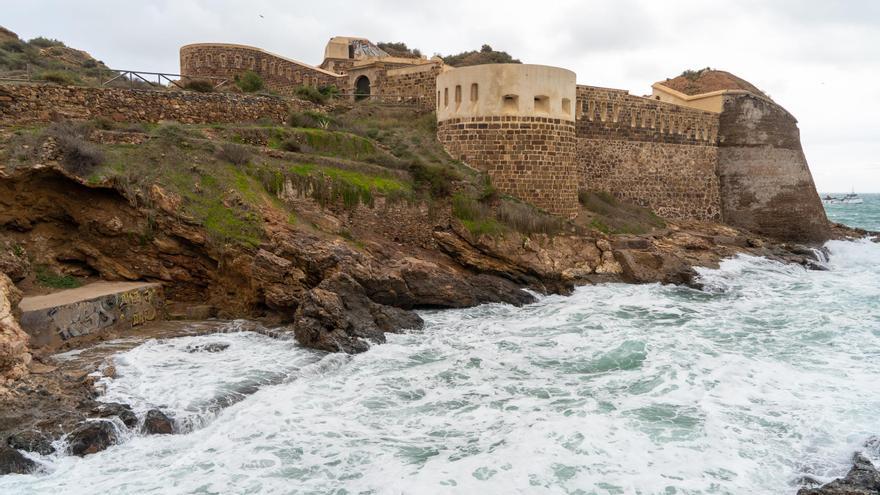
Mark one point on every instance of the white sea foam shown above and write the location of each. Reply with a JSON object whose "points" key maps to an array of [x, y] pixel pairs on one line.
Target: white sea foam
{"points": [[770, 374]]}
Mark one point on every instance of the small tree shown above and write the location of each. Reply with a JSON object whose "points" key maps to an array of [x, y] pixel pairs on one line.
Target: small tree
{"points": [[249, 82]]}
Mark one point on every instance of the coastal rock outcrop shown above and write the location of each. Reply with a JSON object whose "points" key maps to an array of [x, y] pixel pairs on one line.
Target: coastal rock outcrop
{"points": [[157, 423], [14, 353], [31, 441], [337, 315], [121, 411], [862, 479], [14, 462], [92, 436]]}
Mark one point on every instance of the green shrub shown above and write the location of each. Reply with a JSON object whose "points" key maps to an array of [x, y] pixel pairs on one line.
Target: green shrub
{"points": [[234, 153], [437, 180], [310, 93], [199, 86], [41, 42], [249, 82], [290, 144], [49, 278], [78, 156], [311, 119], [61, 77], [528, 219], [465, 208]]}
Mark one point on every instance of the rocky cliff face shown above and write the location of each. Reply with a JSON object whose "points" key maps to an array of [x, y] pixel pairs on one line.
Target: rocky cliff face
{"points": [[14, 351], [766, 186]]}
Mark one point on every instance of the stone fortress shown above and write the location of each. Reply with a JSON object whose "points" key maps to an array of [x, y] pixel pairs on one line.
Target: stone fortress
{"points": [[704, 146]]}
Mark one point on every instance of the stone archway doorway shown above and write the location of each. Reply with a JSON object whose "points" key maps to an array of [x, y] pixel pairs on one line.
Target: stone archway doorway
{"points": [[361, 87]]}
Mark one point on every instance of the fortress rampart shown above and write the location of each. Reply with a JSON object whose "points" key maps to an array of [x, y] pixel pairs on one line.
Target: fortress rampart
{"points": [[655, 154], [766, 185], [517, 123], [228, 61]]}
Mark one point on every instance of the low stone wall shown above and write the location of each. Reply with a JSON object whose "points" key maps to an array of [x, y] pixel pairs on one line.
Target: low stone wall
{"points": [[26, 104], [675, 181], [766, 185], [532, 158], [57, 318]]}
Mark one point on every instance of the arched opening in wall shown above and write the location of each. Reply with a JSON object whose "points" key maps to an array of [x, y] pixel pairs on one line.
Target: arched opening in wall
{"points": [[475, 92], [445, 97], [361, 87], [566, 106], [542, 104], [438, 98], [510, 103], [457, 97]]}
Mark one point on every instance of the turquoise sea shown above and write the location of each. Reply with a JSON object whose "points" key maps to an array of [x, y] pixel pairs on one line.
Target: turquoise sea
{"points": [[865, 215], [768, 375]]}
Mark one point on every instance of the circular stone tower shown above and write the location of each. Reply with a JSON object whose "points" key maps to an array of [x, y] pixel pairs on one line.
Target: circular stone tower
{"points": [[516, 122]]}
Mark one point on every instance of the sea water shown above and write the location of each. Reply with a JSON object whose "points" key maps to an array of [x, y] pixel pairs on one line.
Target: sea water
{"points": [[769, 375]]}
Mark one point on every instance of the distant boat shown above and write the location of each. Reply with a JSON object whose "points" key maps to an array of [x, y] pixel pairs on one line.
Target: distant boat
{"points": [[850, 199]]}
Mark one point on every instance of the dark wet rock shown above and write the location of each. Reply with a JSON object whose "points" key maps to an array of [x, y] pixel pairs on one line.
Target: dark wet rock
{"points": [[92, 436], [862, 479], [157, 423], [652, 266], [14, 462], [31, 441], [209, 347], [121, 411], [337, 315]]}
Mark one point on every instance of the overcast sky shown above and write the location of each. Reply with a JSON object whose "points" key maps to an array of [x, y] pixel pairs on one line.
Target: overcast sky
{"points": [[818, 58]]}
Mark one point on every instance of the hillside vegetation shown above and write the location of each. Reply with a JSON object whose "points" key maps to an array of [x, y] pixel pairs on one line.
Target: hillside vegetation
{"points": [[46, 59], [486, 55]]}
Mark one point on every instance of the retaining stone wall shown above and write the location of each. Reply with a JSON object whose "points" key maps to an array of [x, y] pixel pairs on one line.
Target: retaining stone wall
{"points": [[25, 104], [532, 158]]}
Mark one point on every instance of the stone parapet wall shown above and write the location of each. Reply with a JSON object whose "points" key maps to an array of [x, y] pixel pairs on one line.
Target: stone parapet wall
{"points": [[279, 73], [532, 158], [675, 181], [604, 113], [766, 185], [416, 85], [25, 104]]}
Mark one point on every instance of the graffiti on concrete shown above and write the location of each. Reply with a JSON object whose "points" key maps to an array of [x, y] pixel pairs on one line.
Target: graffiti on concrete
{"points": [[126, 309], [138, 306]]}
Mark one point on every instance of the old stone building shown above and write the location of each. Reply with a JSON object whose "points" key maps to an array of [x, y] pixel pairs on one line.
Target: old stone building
{"points": [[706, 145]]}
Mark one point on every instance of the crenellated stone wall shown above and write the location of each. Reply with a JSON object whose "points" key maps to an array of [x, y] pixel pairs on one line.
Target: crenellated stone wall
{"points": [[280, 74], [532, 158], [655, 154], [25, 104]]}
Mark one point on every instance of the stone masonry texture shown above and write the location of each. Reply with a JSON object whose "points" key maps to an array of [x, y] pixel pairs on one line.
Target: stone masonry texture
{"points": [[23, 104], [651, 153], [532, 158], [228, 61]]}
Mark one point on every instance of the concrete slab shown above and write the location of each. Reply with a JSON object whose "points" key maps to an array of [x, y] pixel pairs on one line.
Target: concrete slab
{"points": [[56, 318]]}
